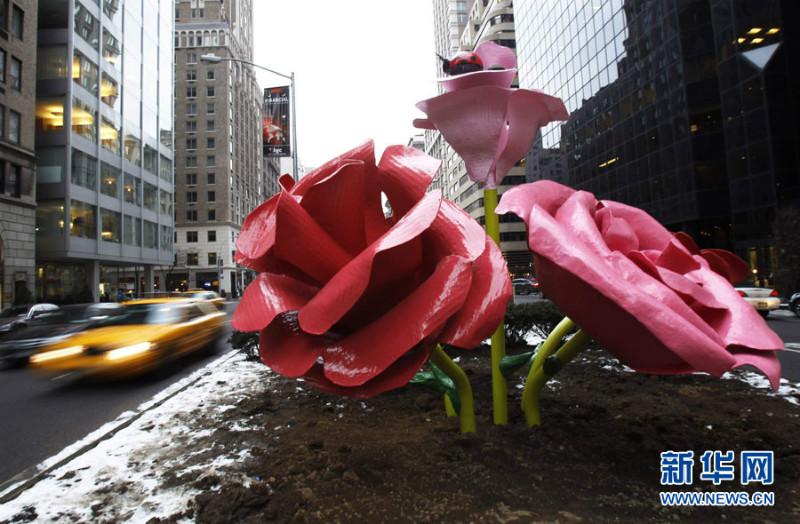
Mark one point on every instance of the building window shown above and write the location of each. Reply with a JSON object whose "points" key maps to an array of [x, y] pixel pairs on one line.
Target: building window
{"points": [[133, 149], [191, 75], [49, 115], [191, 259], [109, 136], [212, 196], [84, 72], [109, 92], [210, 74], [84, 170], [210, 91], [109, 180], [211, 142], [3, 118], [165, 169], [13, 126], [166, 238], [150, 197], [210, 108], [212, 215], [150, 235], [211, 161], [166, 202], [197, 13], [212, 258], [10, 180], [111, 227], [15, 73], [111, 49], [191, 108], [191, 197], [212, 236], [84, 120], [131, 230], [2, 65], [83, 220], [191, 161], [212, 179], [191, 237], [191, 179], [191, 142], [4, 15], [191, 57], [132, 190], [150, 159], [209, 125], [191, 215], [191, 92], [17, 22], [191, 126], [87, 26], [50, 218]]}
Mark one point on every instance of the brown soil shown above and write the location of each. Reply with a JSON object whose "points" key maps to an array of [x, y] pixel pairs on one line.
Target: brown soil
{"points": [[398, 458]]}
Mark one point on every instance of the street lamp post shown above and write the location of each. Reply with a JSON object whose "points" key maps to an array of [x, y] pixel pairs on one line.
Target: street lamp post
{"points": [[214, 59]]}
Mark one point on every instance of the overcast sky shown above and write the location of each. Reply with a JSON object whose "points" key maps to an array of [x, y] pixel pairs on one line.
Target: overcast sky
{"points": [[360, 66]]}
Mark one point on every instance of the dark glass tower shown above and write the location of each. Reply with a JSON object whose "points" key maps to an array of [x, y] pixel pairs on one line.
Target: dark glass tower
{"points": [[686, 108]]}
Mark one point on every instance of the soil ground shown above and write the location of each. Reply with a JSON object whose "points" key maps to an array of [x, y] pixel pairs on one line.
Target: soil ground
{"points": [[398, 458]]}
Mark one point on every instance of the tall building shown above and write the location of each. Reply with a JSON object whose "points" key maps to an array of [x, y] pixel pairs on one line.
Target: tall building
{"points": [[478, 21], [17, 157], [220, 175], [103, 147], [686, 108]]}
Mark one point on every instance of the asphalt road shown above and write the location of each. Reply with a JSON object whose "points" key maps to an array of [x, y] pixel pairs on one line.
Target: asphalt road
{"points": [[785, 323], [39, 417]]}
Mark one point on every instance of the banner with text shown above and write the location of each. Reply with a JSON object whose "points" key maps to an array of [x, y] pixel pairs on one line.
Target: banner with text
{"points": [[275, 122]]}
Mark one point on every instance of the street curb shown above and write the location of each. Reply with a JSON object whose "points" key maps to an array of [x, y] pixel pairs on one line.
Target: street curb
{"points": [[12, 488]]}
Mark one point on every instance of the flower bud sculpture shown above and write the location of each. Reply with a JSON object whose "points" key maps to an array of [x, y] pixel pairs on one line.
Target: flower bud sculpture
{"points": [[491, 126], [356, 302], [650, 297]]}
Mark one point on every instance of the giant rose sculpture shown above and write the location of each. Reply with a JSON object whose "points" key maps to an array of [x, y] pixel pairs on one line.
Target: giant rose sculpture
{"points": [[648, 296], [354, 301]]}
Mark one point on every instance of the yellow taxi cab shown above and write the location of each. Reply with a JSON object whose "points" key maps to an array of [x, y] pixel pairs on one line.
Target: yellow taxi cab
{"points": [[205, 295], [144, 336]]}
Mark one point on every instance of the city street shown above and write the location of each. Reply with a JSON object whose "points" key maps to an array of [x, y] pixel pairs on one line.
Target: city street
{"points": [[42, 416]]}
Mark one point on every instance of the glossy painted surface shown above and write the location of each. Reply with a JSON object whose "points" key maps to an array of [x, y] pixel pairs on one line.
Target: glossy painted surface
{"points": [[650, 297], [353, 300], [489, 124]]}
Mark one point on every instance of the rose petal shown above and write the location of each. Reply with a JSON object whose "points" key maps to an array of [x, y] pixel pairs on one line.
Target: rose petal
{"points": [[396, 376], [257, 235], [454, 232], [496, 55], [343, 290], [286, 181], [266, 297], [676, 258], [405, 174], [617, 233], [423, 123], [730, 266], [651, 234], [767, 363], [365, 153], [486, 303], [497, 78], [287, 350], [687, 241], [546, 194], [359, 357]]}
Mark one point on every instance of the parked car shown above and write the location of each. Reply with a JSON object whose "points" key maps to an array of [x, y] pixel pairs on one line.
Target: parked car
{"points": [[525, 286], [764, 299], [147, 334], [15, 316], [17, 346], [794, 304]]}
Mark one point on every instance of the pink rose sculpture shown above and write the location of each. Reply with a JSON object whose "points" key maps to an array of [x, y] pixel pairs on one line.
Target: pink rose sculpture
{"points": [[489, 124], [353, 301], [648, 296]]}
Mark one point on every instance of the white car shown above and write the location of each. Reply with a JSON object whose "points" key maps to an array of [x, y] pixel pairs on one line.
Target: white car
{"points": [[764, 299]]}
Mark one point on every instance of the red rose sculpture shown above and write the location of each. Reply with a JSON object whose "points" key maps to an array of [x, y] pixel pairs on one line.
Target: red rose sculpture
{"points": [[650, 297], [353, 301]]}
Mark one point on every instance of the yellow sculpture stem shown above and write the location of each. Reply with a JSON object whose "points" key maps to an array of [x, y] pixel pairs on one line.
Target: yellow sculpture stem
{"points": [[499, 386], [537, 377], [451, 369]]}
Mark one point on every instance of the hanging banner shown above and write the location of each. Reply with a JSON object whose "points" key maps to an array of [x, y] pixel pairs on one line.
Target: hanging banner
{"points": [[275, 123]]}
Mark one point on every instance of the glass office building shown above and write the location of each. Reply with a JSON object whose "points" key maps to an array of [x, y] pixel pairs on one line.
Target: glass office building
{"points": [[686, 108], [104, 147]]}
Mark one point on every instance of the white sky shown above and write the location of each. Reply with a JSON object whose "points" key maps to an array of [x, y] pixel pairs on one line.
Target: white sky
{"points": [[360, 66]]}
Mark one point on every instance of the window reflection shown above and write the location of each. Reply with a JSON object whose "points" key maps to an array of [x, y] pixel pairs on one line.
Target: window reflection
{"points": [[84, 170], [133, 149], [109, 136], [109, 92], [83, 220], [132, 190], [51, 63], [50, 218], [87, 26], [110, 226], [109, 180], [84, 120], [49, 115]]}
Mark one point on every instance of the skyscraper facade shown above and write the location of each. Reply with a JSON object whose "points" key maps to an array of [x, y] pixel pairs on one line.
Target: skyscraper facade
{"points": [[219, 166], [686, 108], [104, 148], [17, 156]]}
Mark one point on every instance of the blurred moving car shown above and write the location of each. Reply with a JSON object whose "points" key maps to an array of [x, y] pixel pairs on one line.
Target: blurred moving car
{"points": [[764, 299], [794, 304], [147, 334], [15, 316], [206, 295], [51, 325], [525, 286]]}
